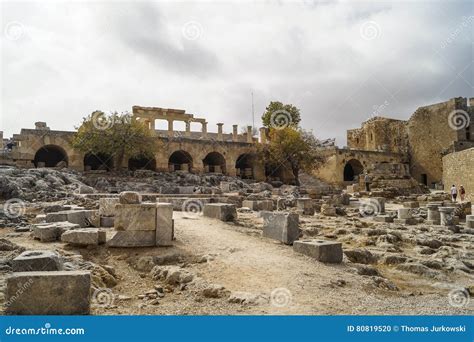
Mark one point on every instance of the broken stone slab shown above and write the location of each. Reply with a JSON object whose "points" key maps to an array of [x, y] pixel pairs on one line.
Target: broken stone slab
{"points": [[383, 218], [37, 260], [135, 217], [107, 221], [107, 206], [323, 251], [221, 211], [305, 205], [84, 237], [130, 197], [48, 293], [328, 210], [48, 232], [281, 226], [133, 238], [84, 218], [164, 224]]}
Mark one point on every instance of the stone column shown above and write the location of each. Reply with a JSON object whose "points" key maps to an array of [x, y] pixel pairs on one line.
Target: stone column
{"points": [[263, 135], [433, 214], [170, 128], [235, 134], [204, 130], [446, 216], [249, 134], [188, 129], [219, 131]]}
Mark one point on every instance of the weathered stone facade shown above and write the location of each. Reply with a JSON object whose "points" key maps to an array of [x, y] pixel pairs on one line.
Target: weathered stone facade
{"points": [[199, 152], [458, 169]]}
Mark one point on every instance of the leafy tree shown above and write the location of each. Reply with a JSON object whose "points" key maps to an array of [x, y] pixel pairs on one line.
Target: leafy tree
{"points": [[116, 135], [278, 115], [294, 148]]}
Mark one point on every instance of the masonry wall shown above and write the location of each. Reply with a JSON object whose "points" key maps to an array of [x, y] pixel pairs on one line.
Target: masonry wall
{"points": [[379, 134], [458, 169], [430, 136]]}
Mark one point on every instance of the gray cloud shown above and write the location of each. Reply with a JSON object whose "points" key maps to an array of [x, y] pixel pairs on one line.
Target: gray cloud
{"points": [[110, 56]]}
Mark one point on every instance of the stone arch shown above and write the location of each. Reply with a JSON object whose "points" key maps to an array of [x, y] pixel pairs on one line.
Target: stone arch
{"points": [[141, 163], [214, 162], [98, 161], [352, 169], [51, 156], [245, 166], [180, 160]]}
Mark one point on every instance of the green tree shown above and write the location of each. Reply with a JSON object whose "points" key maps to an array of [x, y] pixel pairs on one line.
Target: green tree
{"points": [[278, 115], [116, 135], [294, 148]]}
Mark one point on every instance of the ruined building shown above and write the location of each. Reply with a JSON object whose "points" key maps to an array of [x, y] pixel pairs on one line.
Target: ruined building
{"points": [[435, 147]]}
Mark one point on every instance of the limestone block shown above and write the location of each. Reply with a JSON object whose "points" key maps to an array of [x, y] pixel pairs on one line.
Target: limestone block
{"points": [[107, 206], [84, 237], [383, 218], [266, 205], [225, 186], [37, 260], [133, 238], [328, 210], [470, 221], [164, 224], [84, 218], [408, 221], [411, 205], [281, 226], [48, 293], [222, 211], [404, 213], [47, 232], [107, 221], [305, 205], [130, 197], [135, 216], [324, 251], [186, 190]]}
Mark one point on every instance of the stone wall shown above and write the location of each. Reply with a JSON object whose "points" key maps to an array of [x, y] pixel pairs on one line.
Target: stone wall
{"points": [[430, 135], [458, 169], [379, 134]]}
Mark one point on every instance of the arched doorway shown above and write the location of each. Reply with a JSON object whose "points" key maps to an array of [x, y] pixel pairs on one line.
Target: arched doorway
{"points": [[98, 161], [244, 166], [141, 163], [352, 169], [51, 156], [180, 161], [214, 162]]}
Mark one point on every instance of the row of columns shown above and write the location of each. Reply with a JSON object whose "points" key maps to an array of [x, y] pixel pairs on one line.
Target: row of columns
{"points": [[220, 135]]}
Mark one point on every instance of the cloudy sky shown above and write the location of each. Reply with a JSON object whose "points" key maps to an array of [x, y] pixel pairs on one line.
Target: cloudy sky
{"points": [[340, 62]]}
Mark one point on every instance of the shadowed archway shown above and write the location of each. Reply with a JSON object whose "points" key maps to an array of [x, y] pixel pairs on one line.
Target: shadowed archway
{"points": [[51, 156], [352, 169]]}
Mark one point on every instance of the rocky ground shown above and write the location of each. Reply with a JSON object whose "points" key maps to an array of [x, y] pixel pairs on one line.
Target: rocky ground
{"points": [[229, 268]]}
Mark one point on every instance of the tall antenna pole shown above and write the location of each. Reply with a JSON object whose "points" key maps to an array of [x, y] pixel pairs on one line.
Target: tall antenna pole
{"points": [[253, 114]]}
